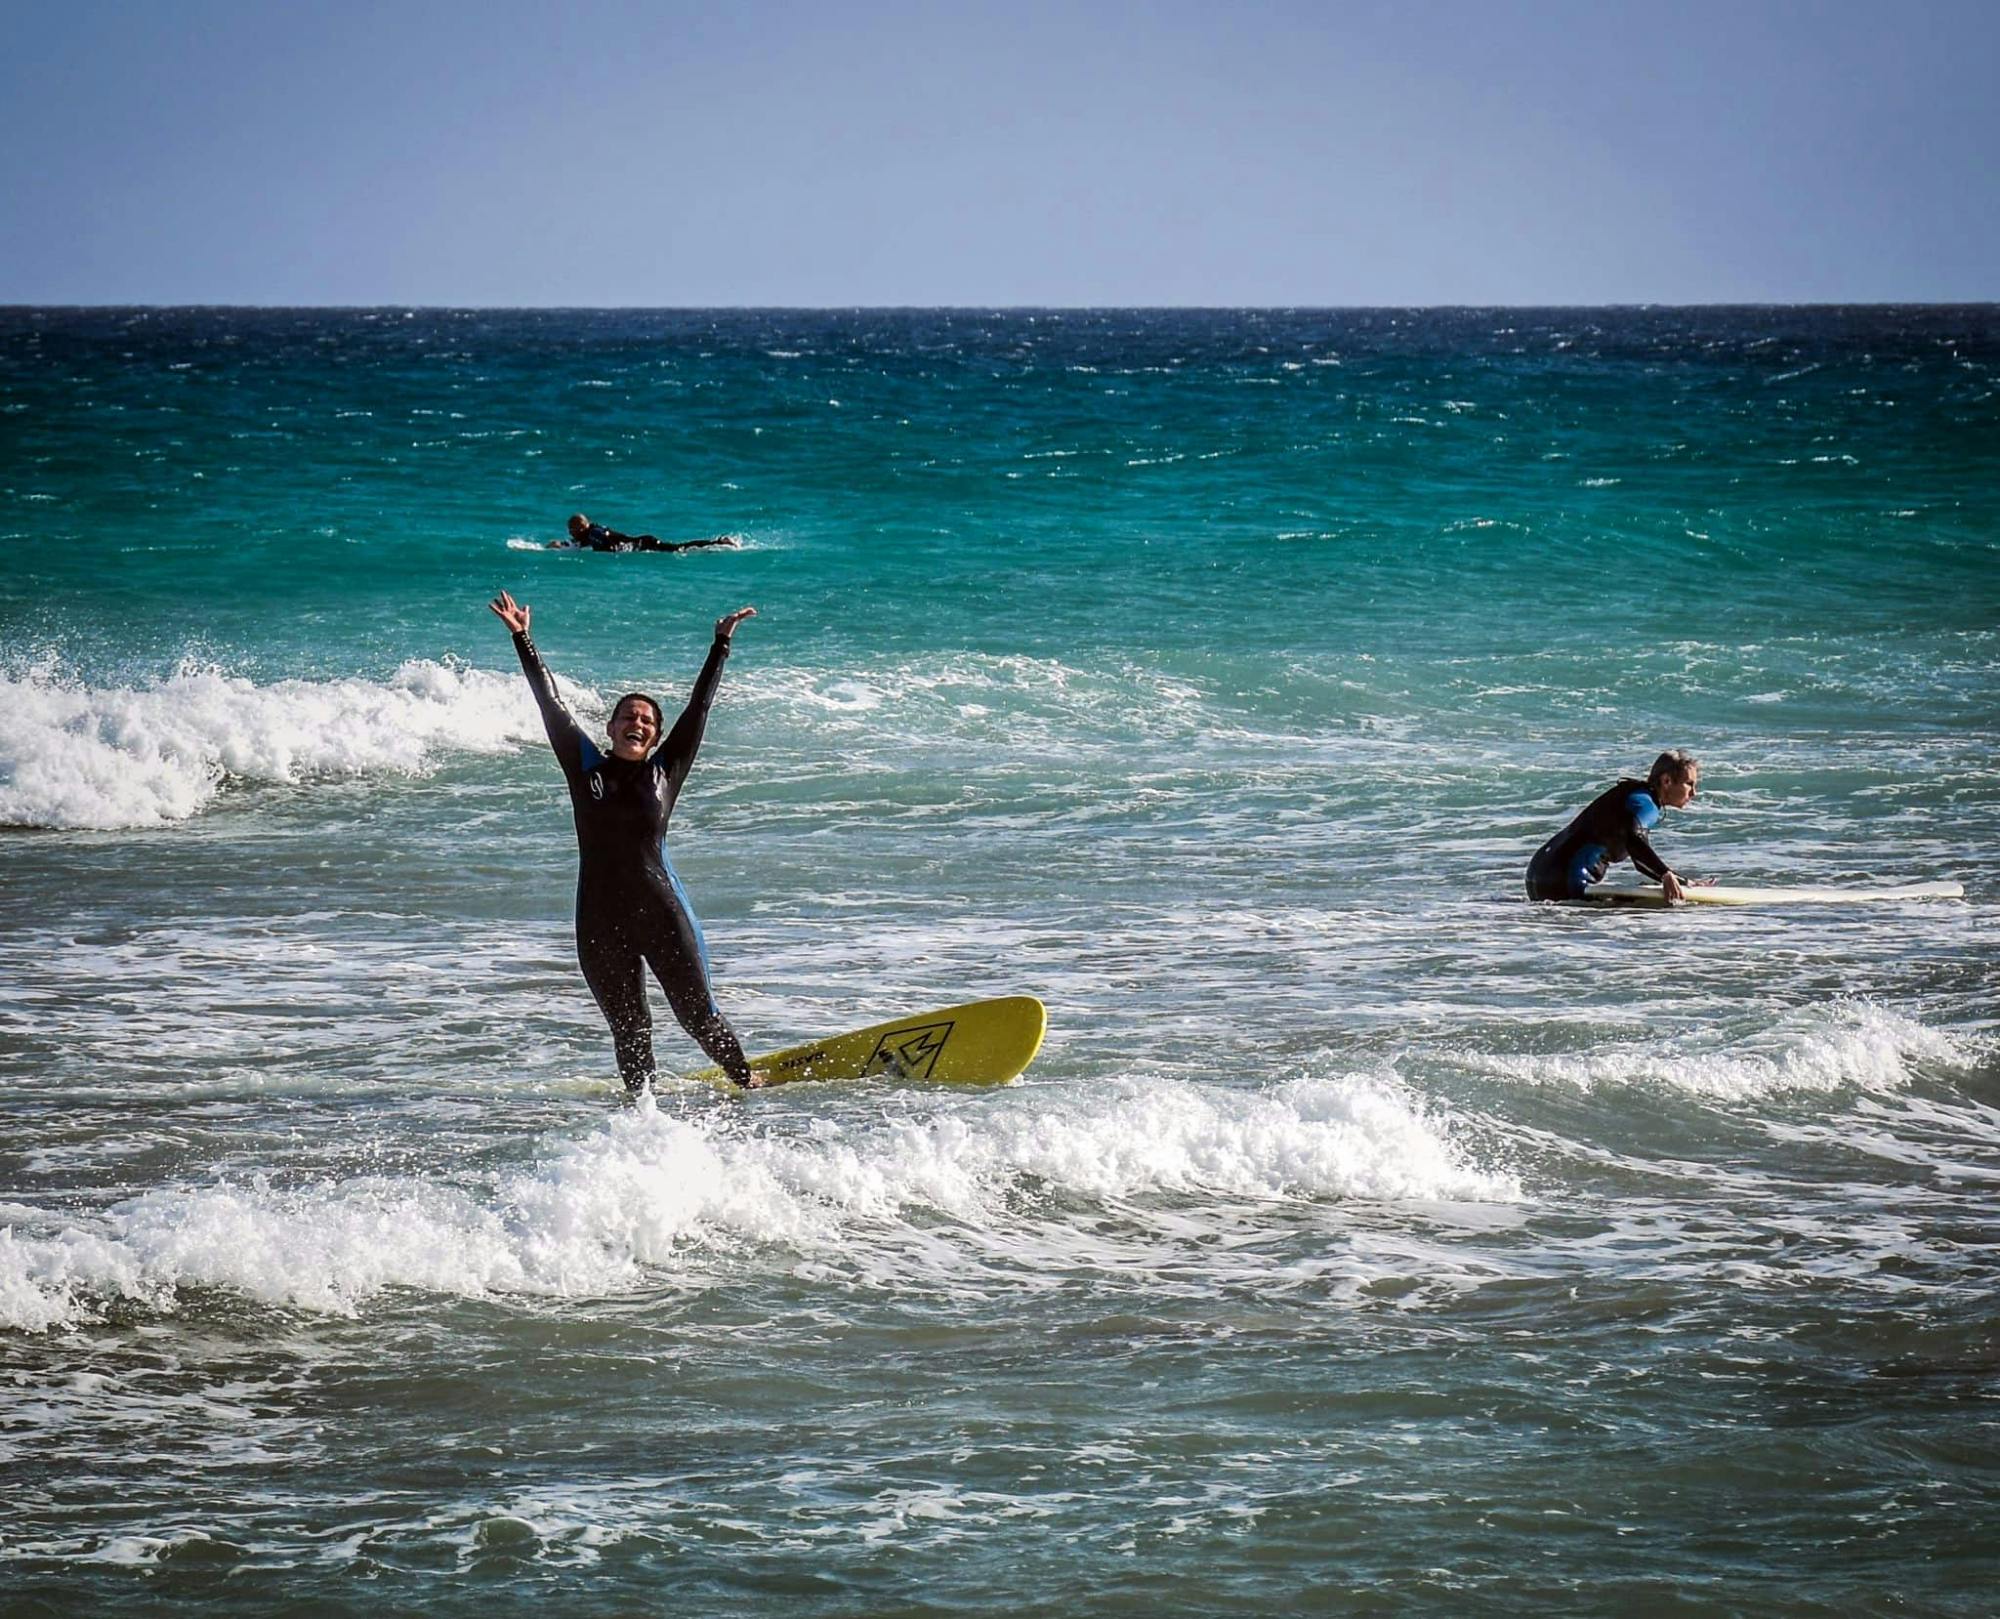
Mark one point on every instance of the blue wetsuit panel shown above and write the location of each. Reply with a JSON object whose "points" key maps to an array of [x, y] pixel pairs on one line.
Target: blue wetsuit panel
{"points": [[687, 909], [1586, 865], [1610, 829]]}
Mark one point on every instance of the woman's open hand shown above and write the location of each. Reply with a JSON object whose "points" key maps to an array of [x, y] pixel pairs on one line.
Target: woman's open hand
{"points": [[512, 613], [725, 626]]}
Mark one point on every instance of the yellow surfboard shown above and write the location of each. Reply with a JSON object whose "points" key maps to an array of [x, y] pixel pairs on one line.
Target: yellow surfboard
{"points": [[980, 1043]]}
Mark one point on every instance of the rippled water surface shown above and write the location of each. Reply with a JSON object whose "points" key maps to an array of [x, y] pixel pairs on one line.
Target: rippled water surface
{"points": [[1362, 1240]]}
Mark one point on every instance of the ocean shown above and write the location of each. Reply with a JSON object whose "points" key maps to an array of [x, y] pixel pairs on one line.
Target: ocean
{"points": [[1363, 1240]]}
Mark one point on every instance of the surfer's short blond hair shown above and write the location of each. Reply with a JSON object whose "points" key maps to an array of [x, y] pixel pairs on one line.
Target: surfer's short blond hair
{"points": [[1676, 764]]}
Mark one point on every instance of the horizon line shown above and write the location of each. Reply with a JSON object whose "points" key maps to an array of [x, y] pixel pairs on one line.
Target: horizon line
{"points": [[1002, 309]]}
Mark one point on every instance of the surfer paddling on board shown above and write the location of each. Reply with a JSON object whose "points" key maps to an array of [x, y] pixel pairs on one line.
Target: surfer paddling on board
{"points": [[1613, 827], [584, 535], [631, 912]]}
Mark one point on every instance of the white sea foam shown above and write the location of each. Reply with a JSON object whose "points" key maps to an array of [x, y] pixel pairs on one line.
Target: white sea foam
{"points": [[38, 1284], [1852, 1045], [901, 1202], [80, 756], [1025, 701]]}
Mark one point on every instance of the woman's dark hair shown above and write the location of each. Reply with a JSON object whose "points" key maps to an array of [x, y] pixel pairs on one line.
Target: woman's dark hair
{"points": [[659, 714]]}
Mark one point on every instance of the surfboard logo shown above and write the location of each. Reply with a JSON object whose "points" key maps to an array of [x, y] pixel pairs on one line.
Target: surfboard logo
{"points": [[910, 1053]]}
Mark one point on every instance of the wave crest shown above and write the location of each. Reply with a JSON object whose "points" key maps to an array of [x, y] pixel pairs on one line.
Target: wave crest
{"points": [[1850, 1046], [74, 756], [985, 1194]]}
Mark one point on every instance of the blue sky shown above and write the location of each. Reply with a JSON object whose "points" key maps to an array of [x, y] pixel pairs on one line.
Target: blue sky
{"points": [[614, 152]]}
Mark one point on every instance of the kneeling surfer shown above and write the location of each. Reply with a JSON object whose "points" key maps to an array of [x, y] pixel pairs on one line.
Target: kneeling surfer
{"points": [[631, 912], [1613, 827]]}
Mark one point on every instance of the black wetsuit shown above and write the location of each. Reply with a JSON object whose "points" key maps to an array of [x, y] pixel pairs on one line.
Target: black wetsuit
{"points": [[599, 538], [1612, 827], [596, 537], [629, 905]]}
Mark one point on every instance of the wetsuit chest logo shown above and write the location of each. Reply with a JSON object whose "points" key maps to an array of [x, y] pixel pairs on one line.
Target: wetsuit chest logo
{"points": [[597, 784]]}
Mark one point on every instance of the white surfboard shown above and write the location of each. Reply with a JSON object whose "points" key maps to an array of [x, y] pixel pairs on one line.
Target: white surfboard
{"points": [[1650, 895]]}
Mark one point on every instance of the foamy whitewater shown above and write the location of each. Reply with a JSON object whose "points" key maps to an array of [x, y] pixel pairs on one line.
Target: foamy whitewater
{"points": [[75, 757], [1363, 1239]]}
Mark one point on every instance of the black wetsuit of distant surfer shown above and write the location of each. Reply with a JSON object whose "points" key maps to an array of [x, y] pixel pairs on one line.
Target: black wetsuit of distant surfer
{"points": [[1611, 828], [631, 912], [596, 537]]}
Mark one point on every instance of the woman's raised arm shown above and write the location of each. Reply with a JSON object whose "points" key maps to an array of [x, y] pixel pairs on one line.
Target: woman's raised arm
{"points": [[677, 752], [572, 746]]}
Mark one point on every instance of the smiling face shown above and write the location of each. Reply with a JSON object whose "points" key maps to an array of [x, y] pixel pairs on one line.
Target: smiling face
{"points": [[635, 728]]}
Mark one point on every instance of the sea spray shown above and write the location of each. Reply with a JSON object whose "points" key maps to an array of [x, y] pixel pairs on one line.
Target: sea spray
{"points": [[650, 1191], [74, 756]]}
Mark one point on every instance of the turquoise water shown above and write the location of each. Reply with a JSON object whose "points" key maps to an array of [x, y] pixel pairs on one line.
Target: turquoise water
{"points": [[1363, 1240]]}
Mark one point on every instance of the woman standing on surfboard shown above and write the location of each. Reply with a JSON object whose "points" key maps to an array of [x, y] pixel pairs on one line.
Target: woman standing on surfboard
{"points": [[1613, 827], [631, 912]]}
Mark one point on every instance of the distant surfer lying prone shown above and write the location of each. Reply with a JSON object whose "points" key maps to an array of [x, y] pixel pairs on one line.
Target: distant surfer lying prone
{"points": [[584, 535], [1613, 827], [631, 912]]}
